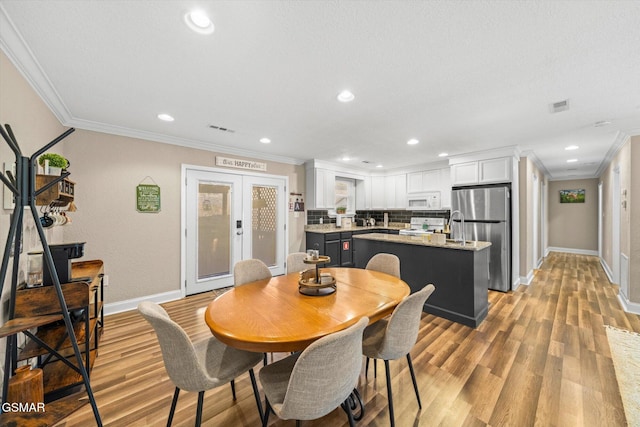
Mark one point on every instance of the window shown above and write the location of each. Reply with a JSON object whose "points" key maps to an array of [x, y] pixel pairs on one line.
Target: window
{"points": [[345, 194]]}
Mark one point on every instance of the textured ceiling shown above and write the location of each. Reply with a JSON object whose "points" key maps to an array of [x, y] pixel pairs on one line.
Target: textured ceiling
{"points": [[459, 76]]}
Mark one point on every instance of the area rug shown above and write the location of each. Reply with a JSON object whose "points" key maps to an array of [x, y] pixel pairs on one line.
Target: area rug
{"points": [[625, 353]]}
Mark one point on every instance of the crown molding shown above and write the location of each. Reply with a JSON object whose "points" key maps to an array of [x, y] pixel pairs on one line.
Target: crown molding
{"points": [[619, 141], [183, 142]]}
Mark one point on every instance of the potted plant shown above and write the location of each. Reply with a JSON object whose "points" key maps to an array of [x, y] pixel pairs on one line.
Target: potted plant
{"points": [[56, 163], [341, 210]]}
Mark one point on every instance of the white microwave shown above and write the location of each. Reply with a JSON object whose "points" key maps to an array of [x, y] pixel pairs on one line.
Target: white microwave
{"points": [[427, 201]]}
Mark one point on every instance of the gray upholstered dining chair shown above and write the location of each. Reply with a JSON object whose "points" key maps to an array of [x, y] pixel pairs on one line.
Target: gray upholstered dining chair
{"points": [[393, 337], [310, 384], [385, 263], [197, 366], [250, 270], [295, 262]]}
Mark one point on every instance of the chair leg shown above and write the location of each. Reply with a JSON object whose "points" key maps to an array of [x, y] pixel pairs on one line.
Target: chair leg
{"points": [[264, 359], [366, 368], [267, 409], [233, 389], [254, 385], [173, 406], [199, 410], [389, 395], [413, 378], [375, 368], [347, 408]]}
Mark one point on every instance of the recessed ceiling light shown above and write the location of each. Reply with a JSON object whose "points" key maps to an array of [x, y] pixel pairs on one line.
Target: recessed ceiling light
{"points": [[346, 96], [443, 154], [379, 166], [412, 141], [265, 140], [572, 160], [602, 123], [345, 159], [165, 117], [571, 147], [199, 22]]}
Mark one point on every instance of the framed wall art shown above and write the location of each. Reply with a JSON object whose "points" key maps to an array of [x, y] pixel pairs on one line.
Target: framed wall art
{"points": [[572, 196]]}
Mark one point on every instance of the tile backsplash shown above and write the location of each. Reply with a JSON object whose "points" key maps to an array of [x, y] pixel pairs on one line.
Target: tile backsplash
{"points": [[313, 216]]}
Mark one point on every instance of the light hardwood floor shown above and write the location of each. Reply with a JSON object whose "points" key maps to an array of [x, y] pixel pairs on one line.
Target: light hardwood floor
{"points": [[541, 358]]}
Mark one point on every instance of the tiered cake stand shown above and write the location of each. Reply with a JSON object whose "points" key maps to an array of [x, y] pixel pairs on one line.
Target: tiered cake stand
{"points": [[313, 285]]}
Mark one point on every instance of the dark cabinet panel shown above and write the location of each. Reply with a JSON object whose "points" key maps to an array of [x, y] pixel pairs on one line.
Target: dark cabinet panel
{"points": [[332, 250], [346, 254]]}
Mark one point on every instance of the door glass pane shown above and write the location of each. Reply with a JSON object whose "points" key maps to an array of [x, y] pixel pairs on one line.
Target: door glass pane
{"points": [[214, 231], [263, 223]]}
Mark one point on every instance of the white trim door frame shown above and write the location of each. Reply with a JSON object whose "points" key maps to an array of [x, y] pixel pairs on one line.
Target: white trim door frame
{"points": [[234, 208]]}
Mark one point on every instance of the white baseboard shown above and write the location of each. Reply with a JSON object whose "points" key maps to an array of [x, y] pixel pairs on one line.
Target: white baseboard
{"points": [[526, 280], [607, 270], [132, 304], [628, 306], [573, 251]]}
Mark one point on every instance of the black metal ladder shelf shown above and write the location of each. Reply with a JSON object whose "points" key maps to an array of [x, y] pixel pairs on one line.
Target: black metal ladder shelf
{"points": [[22, 185]]}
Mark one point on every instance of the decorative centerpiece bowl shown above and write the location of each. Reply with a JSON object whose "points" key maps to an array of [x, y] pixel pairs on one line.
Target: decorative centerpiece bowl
{"points": [[314, 283]]}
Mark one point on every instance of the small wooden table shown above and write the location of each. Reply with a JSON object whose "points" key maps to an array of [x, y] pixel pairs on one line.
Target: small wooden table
{"points": [[272, 316]]}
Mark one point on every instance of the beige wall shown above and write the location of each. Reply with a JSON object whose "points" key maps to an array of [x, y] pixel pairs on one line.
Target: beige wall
{"points": [[626, 163], [574, 225], [141, 251]]}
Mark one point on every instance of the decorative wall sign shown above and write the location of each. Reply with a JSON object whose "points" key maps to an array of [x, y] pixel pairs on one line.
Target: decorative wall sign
{"points": [[296, 202], [241, 164], [572, 196], [148, 197]]}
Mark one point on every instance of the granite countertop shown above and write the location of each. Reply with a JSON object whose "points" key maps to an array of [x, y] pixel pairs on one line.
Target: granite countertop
{"points": [[422, 241], [331, 228]]}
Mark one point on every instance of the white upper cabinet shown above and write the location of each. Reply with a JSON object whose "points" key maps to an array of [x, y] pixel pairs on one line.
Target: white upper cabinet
{"points": [[395, 193], [419, 182], [445, 186], [464, 173], [482, 171], [494, 170], [321, 184], [377, 192]]}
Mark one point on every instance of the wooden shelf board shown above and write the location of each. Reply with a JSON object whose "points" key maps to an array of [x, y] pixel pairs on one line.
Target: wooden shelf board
{"points": [[21, 324], [58, 375], [54, 412], [52, 335]]}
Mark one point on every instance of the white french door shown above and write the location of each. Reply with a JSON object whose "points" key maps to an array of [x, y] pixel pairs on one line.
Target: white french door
{"points": [[229, 217]]}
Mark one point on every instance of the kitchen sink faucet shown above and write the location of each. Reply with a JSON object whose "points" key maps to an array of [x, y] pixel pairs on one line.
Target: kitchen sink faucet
{"points": [[453, 214]]}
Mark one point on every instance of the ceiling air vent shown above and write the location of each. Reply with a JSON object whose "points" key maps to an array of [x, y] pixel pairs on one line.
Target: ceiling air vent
{"points": [[366, 161], [221, 129], [559, 106]]}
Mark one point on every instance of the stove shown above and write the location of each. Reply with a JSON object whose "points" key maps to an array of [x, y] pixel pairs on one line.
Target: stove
{"points": [[420, 226]]}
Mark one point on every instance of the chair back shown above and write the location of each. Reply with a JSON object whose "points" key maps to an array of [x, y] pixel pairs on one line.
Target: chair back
{"points": [[403, 325], [250, 270], [325, 374], [178, 353], [385, 263], [295, 262]]}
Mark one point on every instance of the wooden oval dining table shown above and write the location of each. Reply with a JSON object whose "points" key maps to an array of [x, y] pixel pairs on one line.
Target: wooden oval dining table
{"points": [[271, 315]]}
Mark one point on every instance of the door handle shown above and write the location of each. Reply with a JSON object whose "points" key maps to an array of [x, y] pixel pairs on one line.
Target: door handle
{"points": [[239, 232]]}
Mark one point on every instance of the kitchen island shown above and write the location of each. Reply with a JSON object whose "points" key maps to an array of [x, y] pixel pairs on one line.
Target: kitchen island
{"points": [[459, 272]]}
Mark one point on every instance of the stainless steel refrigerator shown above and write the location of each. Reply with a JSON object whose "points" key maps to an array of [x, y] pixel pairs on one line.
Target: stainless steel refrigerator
{"points": [[487, 217]]}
